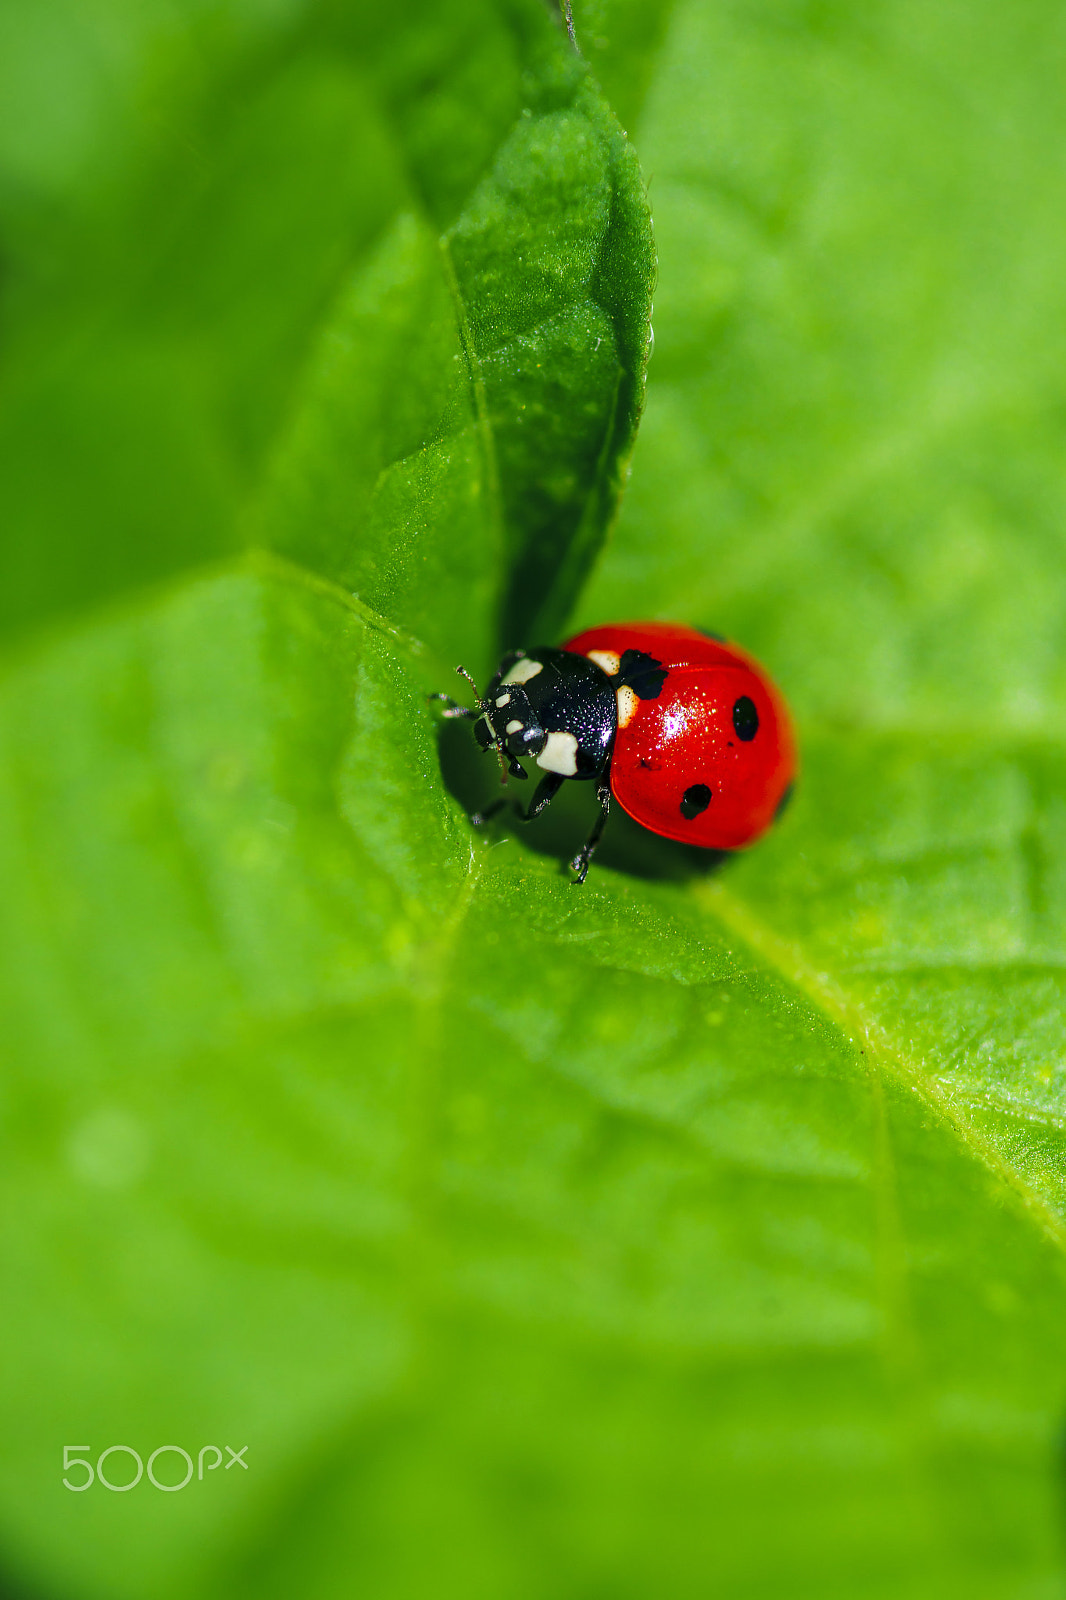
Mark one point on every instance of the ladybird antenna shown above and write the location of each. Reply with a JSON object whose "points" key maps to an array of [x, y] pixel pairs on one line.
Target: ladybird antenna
{"points": [[461, 672], [483, 706]]}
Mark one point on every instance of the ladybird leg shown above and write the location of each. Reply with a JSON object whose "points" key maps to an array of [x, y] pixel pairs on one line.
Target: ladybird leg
{"points": [[546, 790], [479, 818], [452, 708], [544, 794], [580, 863]]}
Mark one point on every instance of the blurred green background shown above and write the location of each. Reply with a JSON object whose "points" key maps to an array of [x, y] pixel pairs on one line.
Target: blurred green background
{"points": [[696, 1233]]}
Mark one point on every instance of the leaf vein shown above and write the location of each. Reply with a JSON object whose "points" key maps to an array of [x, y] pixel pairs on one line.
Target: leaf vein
{"points": [[854, 1021]]}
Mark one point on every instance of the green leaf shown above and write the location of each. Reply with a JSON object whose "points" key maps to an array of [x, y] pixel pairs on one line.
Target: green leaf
{"points": [[697, 1231], [360, 281], [875, 432]]}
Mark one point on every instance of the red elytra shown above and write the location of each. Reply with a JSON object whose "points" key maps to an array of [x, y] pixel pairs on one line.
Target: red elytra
{"points": [[687, 742]]}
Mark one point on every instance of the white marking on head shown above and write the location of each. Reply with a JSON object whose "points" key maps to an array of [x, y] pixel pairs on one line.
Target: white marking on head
{"points": [[559, 755], [514, 726], [523, 670], [488, 724], [503, 700], [627, 705], [609, 660]]}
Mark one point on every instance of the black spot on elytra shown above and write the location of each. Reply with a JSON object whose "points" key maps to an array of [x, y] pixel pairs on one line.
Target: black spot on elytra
{"points": [[745, 718], [694, 800], [641, 673]]}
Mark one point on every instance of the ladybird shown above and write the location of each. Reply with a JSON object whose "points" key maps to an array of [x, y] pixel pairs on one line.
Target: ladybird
{"points": [[686, 732]]}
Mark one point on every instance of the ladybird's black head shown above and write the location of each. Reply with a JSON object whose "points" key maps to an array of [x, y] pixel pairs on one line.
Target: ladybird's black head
{"points": [[510, 723], [553, 707]]}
